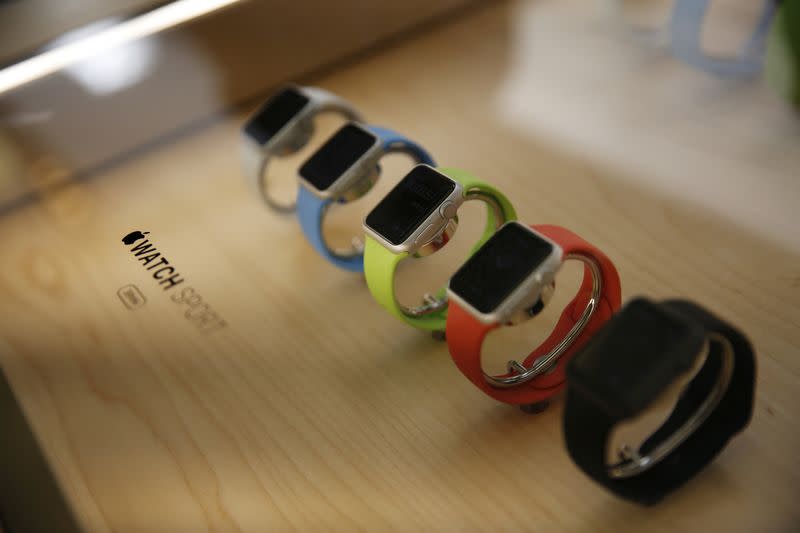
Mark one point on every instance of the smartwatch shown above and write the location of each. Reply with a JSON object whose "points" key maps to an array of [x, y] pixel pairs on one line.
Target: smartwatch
{"points": [[344, 169], [282, 126], [510, 279], [629, 367], [686, 33], [417, 218]]}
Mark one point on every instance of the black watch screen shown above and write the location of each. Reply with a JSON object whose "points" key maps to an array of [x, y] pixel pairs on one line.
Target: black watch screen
{"points": [[636, 356], [492, 273], [410, 203], [336, 156], [275, 114]]}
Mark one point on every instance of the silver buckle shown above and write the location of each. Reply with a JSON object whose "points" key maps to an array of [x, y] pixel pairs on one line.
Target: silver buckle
{"points": [[518, 372], [633, 463]]}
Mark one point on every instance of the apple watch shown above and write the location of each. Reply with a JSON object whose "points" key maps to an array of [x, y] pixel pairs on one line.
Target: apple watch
{"points": [[686, 32], [510, 279], [281, 126], [343, 169], [417, 218], [644, 353]]}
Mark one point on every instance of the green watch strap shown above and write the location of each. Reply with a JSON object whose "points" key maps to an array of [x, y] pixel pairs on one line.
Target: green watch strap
{"points": [[380, 264], [468, 181], [782, 64]]}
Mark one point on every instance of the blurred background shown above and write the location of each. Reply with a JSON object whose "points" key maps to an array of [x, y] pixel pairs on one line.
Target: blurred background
{"points": [[644, 85]]}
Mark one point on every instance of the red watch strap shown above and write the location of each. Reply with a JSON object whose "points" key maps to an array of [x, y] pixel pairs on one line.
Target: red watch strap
{"points": [[465, 334]]}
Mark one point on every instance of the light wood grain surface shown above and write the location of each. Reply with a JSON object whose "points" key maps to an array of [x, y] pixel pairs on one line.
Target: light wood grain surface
{"points": [[316, 410]]}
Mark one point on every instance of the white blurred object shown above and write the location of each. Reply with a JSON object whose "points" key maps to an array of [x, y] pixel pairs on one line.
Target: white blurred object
{"points": [[55, 59], [645, 20], [114, 68], [729, 147]]}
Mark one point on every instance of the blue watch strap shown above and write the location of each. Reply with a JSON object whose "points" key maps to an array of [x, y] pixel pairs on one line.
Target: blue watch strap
{"points": [[686, 29], [311, 208], [394, 142]]}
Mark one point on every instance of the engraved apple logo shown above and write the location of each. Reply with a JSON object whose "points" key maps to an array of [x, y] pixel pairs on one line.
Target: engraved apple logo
{"points": [[133, 236]]}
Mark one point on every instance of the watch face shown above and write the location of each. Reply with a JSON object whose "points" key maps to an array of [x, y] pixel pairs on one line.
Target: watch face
{"points": [[500, 266], [275, 114], [410, 203], [635, 356], [338, 154]]}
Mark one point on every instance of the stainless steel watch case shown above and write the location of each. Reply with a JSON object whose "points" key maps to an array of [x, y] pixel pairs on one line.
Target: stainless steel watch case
{"points": [[358, 179], [434, 232], [536, 287]]}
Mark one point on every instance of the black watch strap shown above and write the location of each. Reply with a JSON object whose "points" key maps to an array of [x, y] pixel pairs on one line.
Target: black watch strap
{"points": [[588, 423]]}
